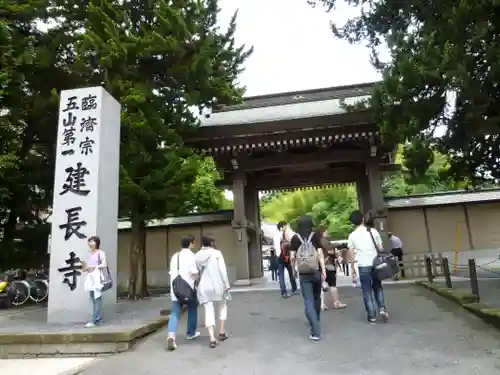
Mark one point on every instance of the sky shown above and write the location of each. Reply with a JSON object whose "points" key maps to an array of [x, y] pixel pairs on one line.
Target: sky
{"points": [[294, 48]]}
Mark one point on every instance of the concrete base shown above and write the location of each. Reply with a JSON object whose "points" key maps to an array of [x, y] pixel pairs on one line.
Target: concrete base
{"points": [[242, 282], [89, 343]]}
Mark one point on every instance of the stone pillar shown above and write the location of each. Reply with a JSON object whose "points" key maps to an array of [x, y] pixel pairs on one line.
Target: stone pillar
{"points": [[85, 200], [364, 196], [254, 231], [378, 209], [240, 227]]}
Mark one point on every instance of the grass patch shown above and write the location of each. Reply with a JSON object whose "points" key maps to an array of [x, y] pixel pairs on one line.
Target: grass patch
{"points": [[467, 300]]}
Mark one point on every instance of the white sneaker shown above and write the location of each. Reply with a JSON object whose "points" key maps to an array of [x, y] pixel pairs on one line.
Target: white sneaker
{"points": [[314, 338], [171, 345], [89, 325], [192, 337]]}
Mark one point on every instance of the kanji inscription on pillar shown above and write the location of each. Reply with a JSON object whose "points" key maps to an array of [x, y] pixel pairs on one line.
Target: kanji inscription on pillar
{"points": [[85, 196]]}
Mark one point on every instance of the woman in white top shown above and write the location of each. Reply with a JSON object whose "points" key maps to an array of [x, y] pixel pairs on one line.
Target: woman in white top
{"points": [[362, 250], [93, 284], [213, 288]]}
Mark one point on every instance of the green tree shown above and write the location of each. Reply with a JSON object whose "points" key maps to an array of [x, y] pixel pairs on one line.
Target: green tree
{"points": [[442, 73], [329, 206], [410, 180], [205, 195], [32, 70], [160, 59]]}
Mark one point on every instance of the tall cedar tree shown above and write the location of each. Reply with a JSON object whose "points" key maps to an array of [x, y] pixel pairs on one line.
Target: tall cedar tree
{"points": [[443, 72], [31, 71], [160, 59]]}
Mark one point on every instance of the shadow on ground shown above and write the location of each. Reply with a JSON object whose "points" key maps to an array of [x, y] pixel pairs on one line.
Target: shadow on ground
{"points": [[426, 334]]}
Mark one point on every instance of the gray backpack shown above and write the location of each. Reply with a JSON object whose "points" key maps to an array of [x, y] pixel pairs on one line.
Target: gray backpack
{"points": [[307, 256]]}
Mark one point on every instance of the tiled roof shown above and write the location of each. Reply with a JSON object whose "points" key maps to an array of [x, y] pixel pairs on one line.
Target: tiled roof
{"points": [[295, 111], [444, 198]]}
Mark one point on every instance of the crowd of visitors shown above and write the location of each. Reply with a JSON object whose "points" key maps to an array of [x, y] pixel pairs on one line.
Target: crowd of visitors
{"points": [[309, 255], [306, 254]]}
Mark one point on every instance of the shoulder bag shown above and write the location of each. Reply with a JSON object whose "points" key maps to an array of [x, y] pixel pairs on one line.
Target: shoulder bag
{"points": [[106, 279], [181, 288], [385, 265]]}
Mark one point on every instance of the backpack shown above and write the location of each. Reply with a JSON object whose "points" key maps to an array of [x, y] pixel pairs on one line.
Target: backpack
{"points": [[285, 250], [181, 288], [307, 256]]}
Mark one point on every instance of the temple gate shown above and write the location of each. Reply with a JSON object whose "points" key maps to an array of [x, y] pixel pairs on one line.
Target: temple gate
{"points": [[292, 140]]}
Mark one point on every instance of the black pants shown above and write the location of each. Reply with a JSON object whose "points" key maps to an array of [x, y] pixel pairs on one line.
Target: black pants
{"points": [[274, 274], [345, 268], [398, 253], [282, 266]]}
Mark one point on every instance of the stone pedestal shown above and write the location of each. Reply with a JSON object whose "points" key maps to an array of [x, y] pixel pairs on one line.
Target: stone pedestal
{"points": [[85, 200]]}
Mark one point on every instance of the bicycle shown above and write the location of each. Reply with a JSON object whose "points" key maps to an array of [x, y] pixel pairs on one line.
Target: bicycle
{"points": [[39, 286], [18, 287]]}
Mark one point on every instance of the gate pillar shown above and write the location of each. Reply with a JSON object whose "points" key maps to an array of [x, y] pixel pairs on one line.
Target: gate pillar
{"points": [[240, 226], [252, 210], [379, 212], [364, 196]]}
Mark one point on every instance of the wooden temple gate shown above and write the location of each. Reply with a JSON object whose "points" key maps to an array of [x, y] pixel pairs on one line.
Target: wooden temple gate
{"points": [[292, 140]]}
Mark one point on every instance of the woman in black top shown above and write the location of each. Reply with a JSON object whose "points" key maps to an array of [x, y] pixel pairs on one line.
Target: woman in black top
{"points": [[310, 283], [329, 252]]}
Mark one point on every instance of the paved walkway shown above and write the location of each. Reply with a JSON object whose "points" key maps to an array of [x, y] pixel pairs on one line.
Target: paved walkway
{"points": [[426, 334], [44, 366]]}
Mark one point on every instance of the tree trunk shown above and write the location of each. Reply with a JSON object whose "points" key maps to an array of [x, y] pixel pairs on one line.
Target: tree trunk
{"points": [[135, 240], [143, 272]]}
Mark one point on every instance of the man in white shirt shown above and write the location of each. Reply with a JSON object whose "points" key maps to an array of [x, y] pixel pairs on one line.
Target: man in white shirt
{"points": [[397, 250], [363, 243], [281, 244], [183, 264]]}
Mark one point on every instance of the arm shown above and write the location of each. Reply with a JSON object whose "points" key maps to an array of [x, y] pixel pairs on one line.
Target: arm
{"points": [[350, 254], [102, 260], [321, 259], [378, 239], [223, 271], [193, 269]]}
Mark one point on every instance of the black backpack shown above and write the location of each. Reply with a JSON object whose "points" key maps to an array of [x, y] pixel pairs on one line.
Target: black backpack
{"points": [[181, 288]]}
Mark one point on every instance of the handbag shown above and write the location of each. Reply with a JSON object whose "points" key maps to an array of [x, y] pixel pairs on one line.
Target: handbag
{"points": [[106, 279], [385, 265]]}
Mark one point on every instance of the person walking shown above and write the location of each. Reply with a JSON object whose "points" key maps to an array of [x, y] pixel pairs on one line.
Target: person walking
{"points": [[329, 253], [397, 251], [213, 288], [307, 255], [183, 264], [273, 265], [362, 252], [282, 247]]}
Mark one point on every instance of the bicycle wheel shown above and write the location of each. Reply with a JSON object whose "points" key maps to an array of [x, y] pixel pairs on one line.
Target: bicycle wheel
{"points": [[39, 290], [21, 291]]}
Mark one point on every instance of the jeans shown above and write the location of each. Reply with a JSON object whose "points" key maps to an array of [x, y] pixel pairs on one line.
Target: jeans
{"points": [[96, 308], [372, 290], [310, 286], [175, 316], [281, 275]]}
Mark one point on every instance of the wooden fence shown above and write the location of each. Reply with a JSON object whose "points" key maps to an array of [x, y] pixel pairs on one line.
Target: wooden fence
{"points": [[415, 265]]}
